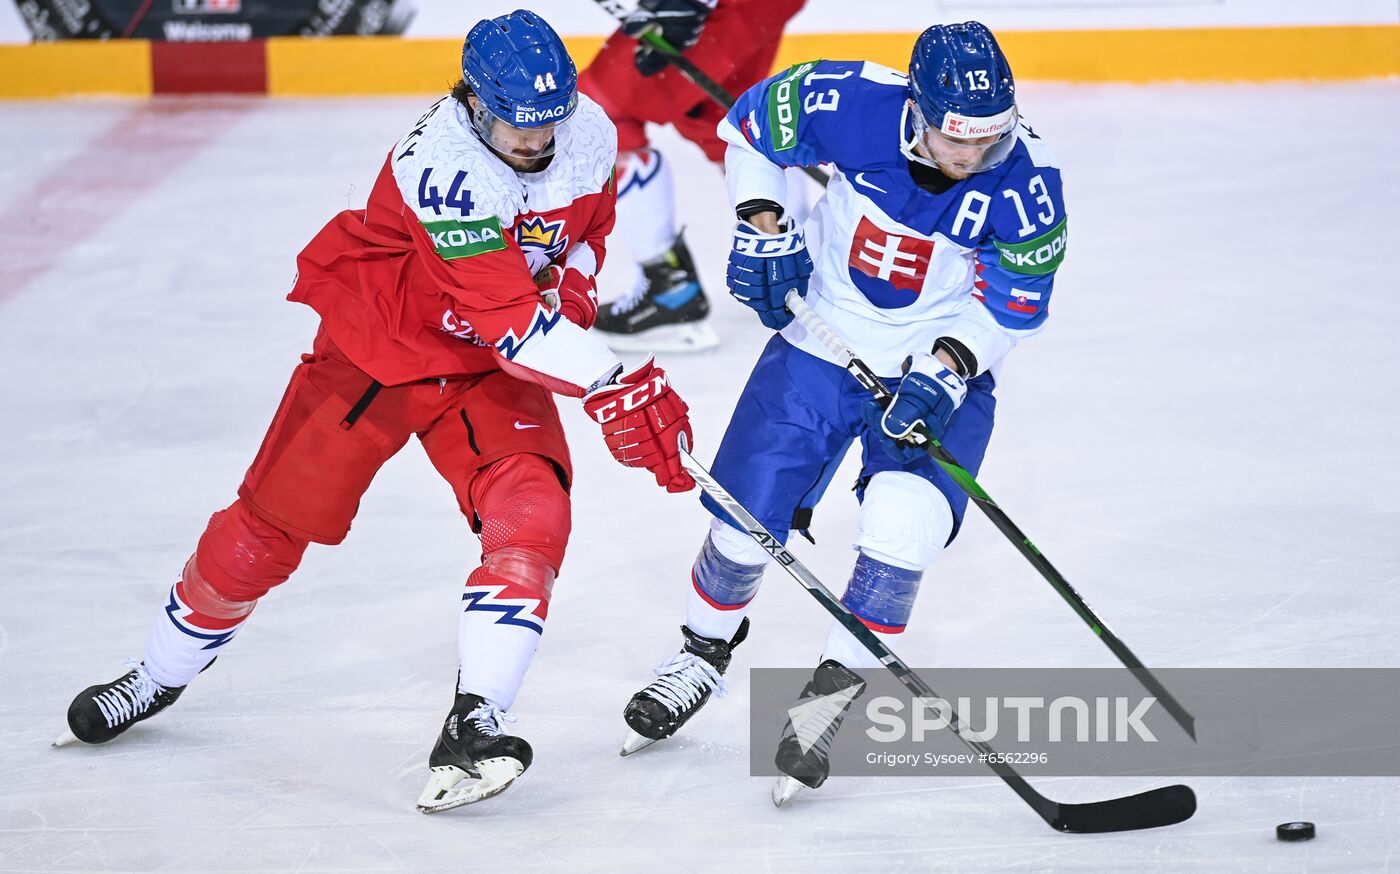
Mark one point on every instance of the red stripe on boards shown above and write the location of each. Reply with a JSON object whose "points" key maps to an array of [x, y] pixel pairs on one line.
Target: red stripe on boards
{"points": [[209, 67]]}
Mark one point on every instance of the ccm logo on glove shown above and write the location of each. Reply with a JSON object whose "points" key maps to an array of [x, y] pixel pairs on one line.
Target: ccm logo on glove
{"points": [[633, 399]]}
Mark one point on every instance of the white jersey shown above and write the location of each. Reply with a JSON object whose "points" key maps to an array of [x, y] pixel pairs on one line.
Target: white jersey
{"points": [[898, 266]]}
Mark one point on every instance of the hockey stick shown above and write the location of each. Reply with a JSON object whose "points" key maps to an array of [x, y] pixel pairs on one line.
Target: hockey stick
{"points": [[867, 378], [675, 58], [1156, 807]]}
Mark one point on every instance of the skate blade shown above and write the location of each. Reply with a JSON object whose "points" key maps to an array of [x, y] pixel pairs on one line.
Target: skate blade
{"points": [[784, 789], [694, 337], [67, 739], [634, 742], [443, 793]]}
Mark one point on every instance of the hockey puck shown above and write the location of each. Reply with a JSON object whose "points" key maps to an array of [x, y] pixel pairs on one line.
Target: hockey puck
{"points": [[1296, 831]]}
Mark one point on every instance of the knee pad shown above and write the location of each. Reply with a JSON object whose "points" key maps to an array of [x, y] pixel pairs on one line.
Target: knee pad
{"points": [[239, 558], [905, 520], [522, 506], [736, 545]]}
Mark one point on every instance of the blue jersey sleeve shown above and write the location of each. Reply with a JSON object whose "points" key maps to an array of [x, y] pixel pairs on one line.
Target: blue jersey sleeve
{"points": [[810, 113], [1017, 260]]}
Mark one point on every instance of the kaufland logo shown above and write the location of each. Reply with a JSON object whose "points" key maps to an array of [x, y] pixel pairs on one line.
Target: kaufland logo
{"points": [[526, 116], [955, 125]]}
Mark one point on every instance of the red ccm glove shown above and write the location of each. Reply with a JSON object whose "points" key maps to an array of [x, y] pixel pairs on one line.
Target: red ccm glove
{"points": [[569, 291], [643, 422]]}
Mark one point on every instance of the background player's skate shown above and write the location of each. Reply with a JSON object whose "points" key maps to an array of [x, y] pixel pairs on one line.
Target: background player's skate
{"points": [[665, 310]]}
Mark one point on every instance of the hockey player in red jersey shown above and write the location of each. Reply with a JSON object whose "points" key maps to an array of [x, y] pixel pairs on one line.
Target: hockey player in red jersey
{"points": [[451, 308], [732, 41]]}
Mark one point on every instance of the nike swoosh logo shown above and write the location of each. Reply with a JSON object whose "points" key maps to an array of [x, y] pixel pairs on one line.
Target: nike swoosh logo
{"points": [[521, 427], [861, 181]]}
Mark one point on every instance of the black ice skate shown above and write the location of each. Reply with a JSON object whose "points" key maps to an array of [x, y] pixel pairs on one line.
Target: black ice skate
{"points": [[804, 751], [474, 758], [682, 686], [666, 314], [101, 713]]}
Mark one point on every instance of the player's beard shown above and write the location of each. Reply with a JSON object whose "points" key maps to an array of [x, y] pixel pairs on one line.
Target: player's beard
{"points": [[531, 163]]}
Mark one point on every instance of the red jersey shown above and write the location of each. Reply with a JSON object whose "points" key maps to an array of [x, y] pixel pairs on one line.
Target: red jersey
{"points": [[435, 276]]}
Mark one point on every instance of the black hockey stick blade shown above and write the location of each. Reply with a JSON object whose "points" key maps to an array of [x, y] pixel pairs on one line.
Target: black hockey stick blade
{"points": [[1155, 808]]}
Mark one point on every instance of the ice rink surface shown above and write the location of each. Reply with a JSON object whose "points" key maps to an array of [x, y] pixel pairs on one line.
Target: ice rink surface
{"points": [[1203, 441]]}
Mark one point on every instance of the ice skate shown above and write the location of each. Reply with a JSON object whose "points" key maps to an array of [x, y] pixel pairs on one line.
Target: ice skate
{"points": [[474, 758], [667, 312], [804, 750], [100, 713], [682, 686]]}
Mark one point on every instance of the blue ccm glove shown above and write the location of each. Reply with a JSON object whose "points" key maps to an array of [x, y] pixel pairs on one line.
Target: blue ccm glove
{"points": [[763, 268], [928, 395]]}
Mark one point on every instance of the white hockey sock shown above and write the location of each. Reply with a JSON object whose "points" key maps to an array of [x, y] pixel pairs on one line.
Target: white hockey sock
{"points": [[494, 650], [842, 646], [185, 639], [503, 614], [709, 620], [646, 203]]}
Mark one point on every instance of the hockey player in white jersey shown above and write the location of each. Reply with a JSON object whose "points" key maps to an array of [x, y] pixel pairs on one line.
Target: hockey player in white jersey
{"points": [[934, 254]]}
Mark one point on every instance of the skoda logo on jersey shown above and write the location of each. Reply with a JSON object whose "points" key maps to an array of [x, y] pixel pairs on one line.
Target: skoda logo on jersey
{"points": [[889, 269], [534, 234]]}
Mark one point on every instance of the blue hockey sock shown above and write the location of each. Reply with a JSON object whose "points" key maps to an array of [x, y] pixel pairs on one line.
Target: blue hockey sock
{"points": [[721, 592], [881, 596]]}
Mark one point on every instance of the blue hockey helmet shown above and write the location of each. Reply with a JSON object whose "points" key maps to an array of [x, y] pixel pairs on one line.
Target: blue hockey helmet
{"points": [[963, 90], [520, 72]]}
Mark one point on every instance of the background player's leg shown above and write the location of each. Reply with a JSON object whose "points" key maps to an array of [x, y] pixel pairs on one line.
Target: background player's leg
{"points": [[664, 308], [646, 202]]}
